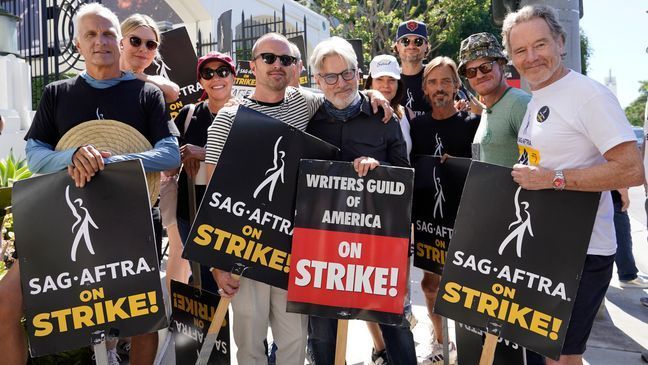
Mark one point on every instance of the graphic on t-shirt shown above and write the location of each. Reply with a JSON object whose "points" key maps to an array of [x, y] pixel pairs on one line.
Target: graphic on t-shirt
{"points": [[161, 68], [522, 227], [276, 171], [528, 156], [410, 99], [543, 114], [83, 231], [438, 195], [99, 115], [438, 148]]}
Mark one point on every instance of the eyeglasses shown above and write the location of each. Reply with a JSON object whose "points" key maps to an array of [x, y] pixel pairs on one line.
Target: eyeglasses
{"points": [[484, 68], [207, 73], [270, 58], [332, 78], [151, 45], [417, 42]]}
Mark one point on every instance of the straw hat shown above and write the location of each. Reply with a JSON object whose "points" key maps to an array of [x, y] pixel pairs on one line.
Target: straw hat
{"points": [[115, 137]]}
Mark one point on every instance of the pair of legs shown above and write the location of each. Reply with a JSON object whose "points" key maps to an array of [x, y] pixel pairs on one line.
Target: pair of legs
{"points": [[430, 287], [13, 346], [626, 267]]}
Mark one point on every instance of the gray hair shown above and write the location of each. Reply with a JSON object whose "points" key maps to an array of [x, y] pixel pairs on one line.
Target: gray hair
{"points": [[95, 9], [334, 46], [528, 13], [272, 35]]}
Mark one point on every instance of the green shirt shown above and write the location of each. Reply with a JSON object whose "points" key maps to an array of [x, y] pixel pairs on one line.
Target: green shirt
{"points": [[498, 130]]}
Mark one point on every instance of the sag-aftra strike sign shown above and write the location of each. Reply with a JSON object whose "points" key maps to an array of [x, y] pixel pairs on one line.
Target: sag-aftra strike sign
{"points": [[246, 215], [351, 242], [516, 258], [88, 259], [437, 193]]}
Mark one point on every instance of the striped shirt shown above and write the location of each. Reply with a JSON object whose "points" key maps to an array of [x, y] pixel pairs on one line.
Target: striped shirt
{"points": [[296, 109]]}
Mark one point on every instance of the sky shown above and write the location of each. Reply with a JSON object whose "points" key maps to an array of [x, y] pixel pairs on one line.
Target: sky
{"points": [[618, 34]]}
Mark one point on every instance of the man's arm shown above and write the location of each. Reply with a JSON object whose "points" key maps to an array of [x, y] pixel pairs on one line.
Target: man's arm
{"points": [[42, 159], [165, 155], [623, 168]]}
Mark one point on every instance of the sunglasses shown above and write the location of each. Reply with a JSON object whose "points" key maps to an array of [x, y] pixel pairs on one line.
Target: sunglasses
{"points": [[136, 42], [484, 68], [270, 58], [417, 42], [207, 73], [332, 79]]}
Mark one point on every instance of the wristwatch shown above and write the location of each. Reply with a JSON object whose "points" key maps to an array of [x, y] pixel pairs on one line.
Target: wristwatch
{"points": [[559, 181]]}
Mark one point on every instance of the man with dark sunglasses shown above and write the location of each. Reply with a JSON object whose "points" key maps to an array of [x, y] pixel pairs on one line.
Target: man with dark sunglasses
{"points": [[411, 46], [257, 305], [482, 62]]}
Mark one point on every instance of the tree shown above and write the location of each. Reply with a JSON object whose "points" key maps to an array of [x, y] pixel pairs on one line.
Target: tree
{"points": [[586, 51], [635, 111], [375, 22]]}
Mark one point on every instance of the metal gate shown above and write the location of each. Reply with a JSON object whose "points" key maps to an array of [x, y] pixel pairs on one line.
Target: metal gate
{"points": [[45, 39]]}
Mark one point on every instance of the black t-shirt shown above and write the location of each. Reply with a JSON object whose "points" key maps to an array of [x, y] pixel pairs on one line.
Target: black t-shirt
{"points": [[453, 135], [196, 135], [414, 98], [67, 103]]}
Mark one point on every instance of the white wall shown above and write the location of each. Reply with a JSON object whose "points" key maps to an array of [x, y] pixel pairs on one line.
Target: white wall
{"points": [[15, 103]]}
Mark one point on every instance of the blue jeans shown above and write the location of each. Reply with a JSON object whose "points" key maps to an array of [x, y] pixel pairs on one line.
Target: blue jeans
{"points": [[626, 267], [399, 342]]}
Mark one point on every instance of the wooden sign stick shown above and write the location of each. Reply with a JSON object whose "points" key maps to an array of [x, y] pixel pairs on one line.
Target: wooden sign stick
{"points": [[217, 321], [488, 351], [341, 341]]}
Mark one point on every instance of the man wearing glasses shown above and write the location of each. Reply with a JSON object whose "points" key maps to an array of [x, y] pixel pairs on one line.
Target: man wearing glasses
{"points": [[482, 62], [255, 304], [346, 121], [411, 46]]}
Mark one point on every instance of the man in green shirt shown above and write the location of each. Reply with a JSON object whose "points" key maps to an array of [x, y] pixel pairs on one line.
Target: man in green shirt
{"points": [[482, 62]]}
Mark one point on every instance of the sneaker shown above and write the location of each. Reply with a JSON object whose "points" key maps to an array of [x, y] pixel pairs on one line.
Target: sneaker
{"points": [[638, 283], [644, 301], [113, 358], [379, 357], [436, 357]]}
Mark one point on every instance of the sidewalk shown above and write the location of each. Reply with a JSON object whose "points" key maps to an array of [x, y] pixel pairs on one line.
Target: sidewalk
{"points": [[619, 335]]}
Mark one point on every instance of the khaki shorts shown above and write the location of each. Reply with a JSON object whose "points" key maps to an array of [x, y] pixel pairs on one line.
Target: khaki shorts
{"points": [[168, 200]]}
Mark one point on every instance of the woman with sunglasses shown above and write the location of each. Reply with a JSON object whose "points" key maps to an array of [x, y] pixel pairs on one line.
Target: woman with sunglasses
{"points": [[139, 47], [215, 72]]}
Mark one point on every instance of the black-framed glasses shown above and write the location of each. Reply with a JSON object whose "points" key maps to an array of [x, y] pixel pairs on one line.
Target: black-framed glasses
{"points": [[484, 68], [135, 41], [270, 58], [332, 78], [417, 42], [207, 73]]}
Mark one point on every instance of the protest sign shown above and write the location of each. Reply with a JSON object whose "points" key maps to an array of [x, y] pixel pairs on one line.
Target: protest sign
{"points": [[247, 211], [351, 242], [470, 339], [437, 193], [178, 64], [515, 259], [192, 312], [244, 81], [88, 258]]}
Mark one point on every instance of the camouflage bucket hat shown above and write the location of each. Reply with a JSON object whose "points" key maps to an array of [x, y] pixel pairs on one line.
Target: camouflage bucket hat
{"points": [[478, 46]]}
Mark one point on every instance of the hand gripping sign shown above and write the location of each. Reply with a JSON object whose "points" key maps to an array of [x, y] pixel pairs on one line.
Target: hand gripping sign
{"points": [[351, 242], [515, 259], [88, 259]]}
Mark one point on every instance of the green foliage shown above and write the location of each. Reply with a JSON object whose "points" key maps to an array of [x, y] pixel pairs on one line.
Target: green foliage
{"points": [[635, 111], [12, 170], [586, 51], [375, 22]]}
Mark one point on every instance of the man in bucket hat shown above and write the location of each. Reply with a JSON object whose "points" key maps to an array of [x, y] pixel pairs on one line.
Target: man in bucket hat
{"points": [[482, 62], [411, 46]]}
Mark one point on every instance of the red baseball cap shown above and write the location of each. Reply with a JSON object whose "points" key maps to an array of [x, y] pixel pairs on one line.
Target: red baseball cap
{"points": [[215, 56]]}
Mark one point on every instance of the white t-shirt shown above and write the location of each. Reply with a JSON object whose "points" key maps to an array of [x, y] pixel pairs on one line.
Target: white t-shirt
{"points": [[405, 128], [571, 124]]}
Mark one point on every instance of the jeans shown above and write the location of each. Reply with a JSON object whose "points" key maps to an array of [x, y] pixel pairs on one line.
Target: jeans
{"points": [[399, 342], [626, 267]]}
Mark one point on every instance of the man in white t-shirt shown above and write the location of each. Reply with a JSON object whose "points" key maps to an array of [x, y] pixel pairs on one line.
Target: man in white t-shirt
{"points": [[574, 136]]}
